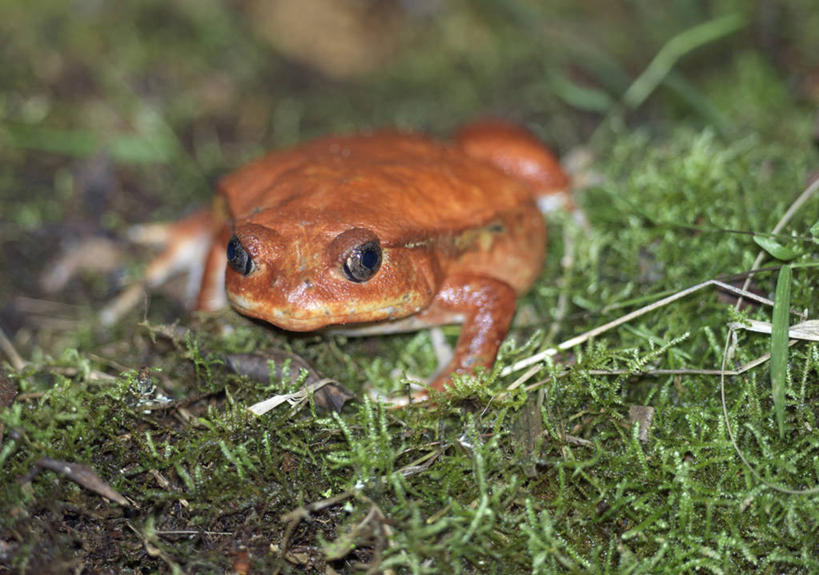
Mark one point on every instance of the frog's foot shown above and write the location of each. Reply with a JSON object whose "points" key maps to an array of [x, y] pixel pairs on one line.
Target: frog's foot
{"points": [[487, 306], [484, 306], [185, 245]]}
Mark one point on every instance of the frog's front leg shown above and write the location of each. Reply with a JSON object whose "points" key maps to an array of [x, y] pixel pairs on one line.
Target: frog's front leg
{"points": [[486, 306], [212, 295]]}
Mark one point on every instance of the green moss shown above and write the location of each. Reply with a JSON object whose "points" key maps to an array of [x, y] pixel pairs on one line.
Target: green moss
{"points": [[550, 478]]}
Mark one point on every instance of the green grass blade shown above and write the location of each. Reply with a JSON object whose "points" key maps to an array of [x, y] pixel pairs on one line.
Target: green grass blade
{"points": [[676, 48], [779, 344]]}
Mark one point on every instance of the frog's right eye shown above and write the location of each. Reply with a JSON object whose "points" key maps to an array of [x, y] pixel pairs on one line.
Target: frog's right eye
{"points": [[238, 258], [362, 262]]}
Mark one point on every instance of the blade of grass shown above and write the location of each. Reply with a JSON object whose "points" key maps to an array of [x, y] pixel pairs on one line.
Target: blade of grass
{"points": [[676, 48], [779, 344]]}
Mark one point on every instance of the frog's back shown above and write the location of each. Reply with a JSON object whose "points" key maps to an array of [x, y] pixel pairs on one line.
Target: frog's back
{"points": [[406, 186]]}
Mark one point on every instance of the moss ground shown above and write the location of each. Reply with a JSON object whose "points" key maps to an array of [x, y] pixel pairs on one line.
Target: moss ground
{"points": [[118, 113]]}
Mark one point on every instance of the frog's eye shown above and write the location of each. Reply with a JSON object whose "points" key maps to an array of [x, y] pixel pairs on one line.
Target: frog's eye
{"points": [[362, 262], [238, 258]]}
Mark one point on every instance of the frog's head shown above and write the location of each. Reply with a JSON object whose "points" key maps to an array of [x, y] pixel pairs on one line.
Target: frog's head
{"points": [[301, 279]]}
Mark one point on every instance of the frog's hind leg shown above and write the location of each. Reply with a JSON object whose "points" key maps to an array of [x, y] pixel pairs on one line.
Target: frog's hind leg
{"points": [[185, 244], [517, 152]]}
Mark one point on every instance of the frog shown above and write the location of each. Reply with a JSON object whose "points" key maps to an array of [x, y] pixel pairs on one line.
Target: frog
{"points": [[376, 232]]}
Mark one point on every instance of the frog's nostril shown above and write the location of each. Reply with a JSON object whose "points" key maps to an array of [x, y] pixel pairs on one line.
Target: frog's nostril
{"points": [[238, 258]]}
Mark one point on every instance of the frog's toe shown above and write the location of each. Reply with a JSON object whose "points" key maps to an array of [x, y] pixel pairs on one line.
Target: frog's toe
{"points": [[154, 234]]}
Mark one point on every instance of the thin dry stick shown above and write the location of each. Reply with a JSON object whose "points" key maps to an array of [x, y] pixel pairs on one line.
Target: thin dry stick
{"points": [[738, 371], [652, 372], [570, 343], [523, 378], [17, 362]]}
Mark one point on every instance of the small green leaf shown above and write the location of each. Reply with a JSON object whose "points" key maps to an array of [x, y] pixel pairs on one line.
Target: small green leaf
{"points": [[776, 249], [779, 344], [814, 230]]}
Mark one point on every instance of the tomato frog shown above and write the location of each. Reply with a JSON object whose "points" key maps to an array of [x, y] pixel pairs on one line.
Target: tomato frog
{"points": [[374, 233]]}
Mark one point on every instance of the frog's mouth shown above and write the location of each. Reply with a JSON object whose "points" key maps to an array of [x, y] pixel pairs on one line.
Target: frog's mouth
{"points": [[305, 319]]}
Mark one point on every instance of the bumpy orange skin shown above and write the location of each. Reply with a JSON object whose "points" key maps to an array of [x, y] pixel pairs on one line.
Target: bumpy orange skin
{"points": [[460, 233]]}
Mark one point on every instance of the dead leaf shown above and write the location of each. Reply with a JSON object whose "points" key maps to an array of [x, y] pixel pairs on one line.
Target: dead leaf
{"points": [[527, 434], [643, 415], [806, 330], [329, 396], [332, 397], [83, 476], [256, 366]]}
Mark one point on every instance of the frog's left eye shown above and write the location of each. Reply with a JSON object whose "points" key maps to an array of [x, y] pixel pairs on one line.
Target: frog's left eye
{"points": [[363, 261], [238, 258]]}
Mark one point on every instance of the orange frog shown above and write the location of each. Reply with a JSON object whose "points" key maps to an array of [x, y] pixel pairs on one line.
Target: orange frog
{"points": [[376, 233]]}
